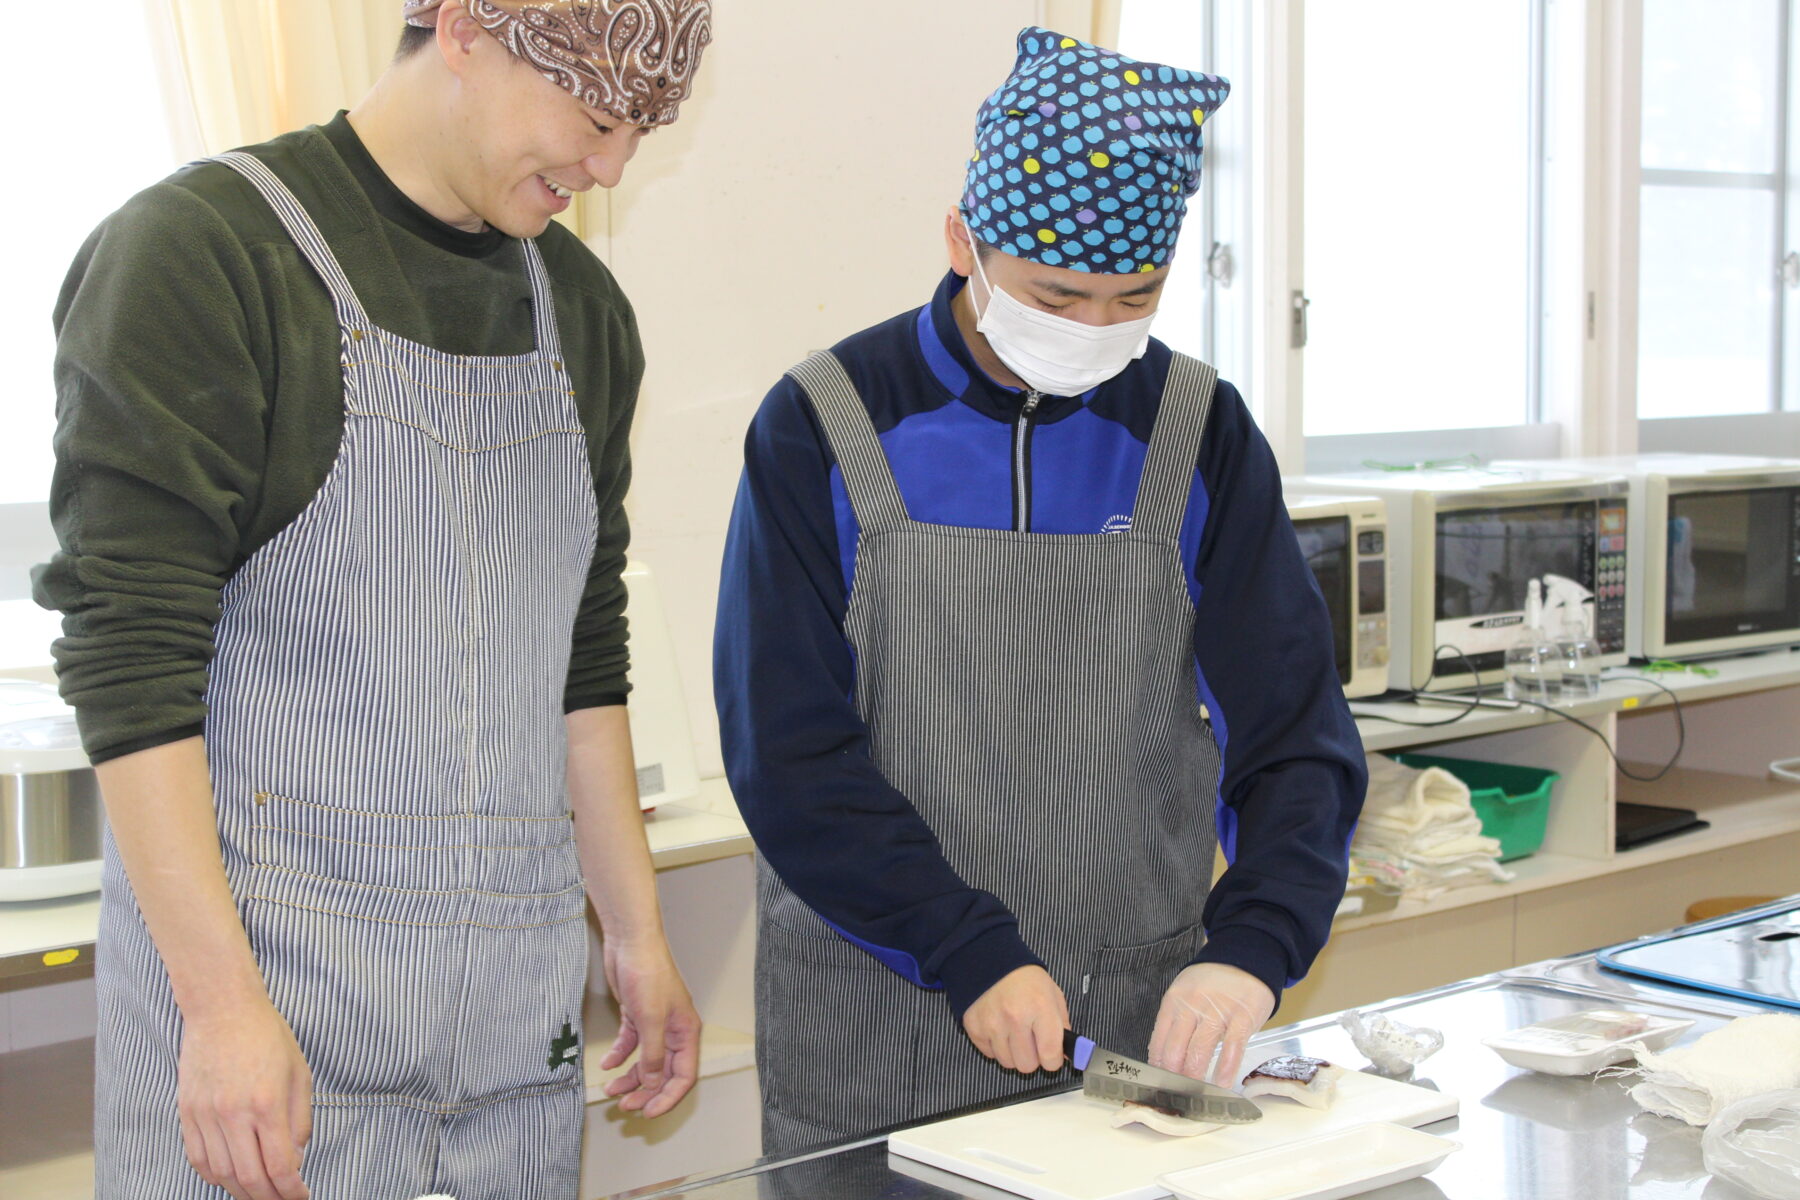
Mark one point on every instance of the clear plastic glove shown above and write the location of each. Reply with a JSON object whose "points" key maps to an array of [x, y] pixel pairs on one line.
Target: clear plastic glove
{"points": [[1209, 1009], [1755, 1144], [1393, 1047]]}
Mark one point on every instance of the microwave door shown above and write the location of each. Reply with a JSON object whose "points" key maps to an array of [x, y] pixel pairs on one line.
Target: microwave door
{"points": [[1486, 560], [1733, 565], [1325, 543]]}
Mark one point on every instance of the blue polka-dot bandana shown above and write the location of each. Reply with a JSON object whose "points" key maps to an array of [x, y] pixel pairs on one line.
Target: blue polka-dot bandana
{"points": [[1084, 159]]}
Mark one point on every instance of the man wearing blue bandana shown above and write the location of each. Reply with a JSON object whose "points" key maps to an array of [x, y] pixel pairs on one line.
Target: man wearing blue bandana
{"points": [[1013, 632]]}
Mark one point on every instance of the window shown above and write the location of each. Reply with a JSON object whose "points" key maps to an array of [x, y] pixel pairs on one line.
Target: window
{"points": [[1716, 223], [91, 131], [1206, 306], [1421, 195]]}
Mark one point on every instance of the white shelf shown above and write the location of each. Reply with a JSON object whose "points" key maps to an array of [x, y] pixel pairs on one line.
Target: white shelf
{"points": [[701, 830], [1741, 809], [33, 929], [1624, 690]]}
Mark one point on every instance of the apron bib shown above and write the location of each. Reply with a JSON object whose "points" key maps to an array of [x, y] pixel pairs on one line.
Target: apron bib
{"points": [[1034, 696], [386, 738]]}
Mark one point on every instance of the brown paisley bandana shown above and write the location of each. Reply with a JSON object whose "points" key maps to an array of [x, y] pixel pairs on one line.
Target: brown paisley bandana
{"points": [[632, 58]]}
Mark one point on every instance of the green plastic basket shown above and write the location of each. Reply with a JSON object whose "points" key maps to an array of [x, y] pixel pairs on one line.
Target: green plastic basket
{"points": [[1512, 802]]}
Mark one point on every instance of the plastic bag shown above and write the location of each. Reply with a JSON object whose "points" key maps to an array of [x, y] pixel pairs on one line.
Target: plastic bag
{"points": [[1394, 1048], [1755, 1144]]}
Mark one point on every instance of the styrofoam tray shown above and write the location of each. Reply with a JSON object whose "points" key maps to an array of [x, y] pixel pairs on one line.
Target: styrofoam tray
{"points": [[1348, 1162], [1582, 1043]]}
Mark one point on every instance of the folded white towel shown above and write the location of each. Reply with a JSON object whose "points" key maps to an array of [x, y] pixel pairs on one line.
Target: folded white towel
{"points": [[1420, 824], [1406, 798], [1748, 1057]]}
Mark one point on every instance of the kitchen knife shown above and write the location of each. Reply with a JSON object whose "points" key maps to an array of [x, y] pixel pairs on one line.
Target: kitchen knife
{"points": [[1109, 1076]]}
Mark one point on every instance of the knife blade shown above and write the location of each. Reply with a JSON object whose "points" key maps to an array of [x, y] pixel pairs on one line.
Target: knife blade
{"points": [[1106, 1075]]}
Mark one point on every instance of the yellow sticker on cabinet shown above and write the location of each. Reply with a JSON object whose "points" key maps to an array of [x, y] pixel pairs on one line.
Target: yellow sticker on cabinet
{"points": [[61, 958]]}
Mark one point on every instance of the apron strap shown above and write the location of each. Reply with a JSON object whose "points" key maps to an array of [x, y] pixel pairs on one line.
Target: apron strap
{"points": [[1174, 452], [869, 481], [299, 225], [543, 310]]}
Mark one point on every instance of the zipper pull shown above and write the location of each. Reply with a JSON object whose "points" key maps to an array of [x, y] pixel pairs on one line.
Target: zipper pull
{"points": [[1032, 399]]}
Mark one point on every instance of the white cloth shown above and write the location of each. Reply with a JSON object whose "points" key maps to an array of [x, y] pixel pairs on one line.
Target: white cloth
{"points": [[1419, 827], [1748, 1057], [1407, 800]]}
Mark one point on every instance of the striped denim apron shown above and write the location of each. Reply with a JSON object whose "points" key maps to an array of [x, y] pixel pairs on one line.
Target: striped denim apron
{"points": [[1034, 696], [386, 738]]}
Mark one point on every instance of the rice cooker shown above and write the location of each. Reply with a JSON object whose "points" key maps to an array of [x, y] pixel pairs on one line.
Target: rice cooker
{"points": [[50, 814]]}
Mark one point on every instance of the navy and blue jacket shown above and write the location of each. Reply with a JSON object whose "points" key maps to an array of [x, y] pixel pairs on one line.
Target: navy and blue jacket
{"points": [[797, 753]]}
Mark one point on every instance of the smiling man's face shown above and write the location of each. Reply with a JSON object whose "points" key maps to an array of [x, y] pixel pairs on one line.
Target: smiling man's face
{"points": [[526, 145]]}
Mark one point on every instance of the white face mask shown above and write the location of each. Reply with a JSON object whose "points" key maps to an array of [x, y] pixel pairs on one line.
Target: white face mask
{"points": [[1053, 354]]}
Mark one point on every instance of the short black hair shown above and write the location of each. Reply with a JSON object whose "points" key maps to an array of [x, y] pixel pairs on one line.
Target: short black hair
{"points": [[413, 38]]}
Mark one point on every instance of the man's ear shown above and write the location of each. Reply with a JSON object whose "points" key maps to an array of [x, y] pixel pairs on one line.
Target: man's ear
{"points": [[457, 33], [957, 243]]}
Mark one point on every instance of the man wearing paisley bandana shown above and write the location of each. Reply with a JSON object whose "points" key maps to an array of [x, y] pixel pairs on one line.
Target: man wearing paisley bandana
{"points": [[342, 448]]}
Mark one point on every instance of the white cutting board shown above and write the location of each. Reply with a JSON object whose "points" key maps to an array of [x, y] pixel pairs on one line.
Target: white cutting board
{"points": [[1063, 1147]]}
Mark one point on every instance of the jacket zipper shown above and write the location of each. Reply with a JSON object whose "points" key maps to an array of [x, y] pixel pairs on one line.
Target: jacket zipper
{"points": [[1022, 462]]}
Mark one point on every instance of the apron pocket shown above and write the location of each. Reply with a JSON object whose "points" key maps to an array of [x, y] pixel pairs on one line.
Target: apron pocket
{"points": [[437, 961], [1124, 987], [520, 1026], [441, 998], [369, 980]]}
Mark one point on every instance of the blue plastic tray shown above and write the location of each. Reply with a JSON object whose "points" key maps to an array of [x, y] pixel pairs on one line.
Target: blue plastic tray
{"points": [[1753, 955]]}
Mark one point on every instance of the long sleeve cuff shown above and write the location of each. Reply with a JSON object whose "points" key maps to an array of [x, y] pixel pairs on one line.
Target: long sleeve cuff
{"points": [[1249, 949], [970, 970]]}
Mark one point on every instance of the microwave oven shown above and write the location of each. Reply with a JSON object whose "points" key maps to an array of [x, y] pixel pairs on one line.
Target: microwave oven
{"points": [[1344, 540], [1463, 548], [1715, 552]]}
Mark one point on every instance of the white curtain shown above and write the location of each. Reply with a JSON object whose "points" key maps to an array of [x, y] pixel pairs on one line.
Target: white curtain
{"points": [[237, 72], [1095, 21], [243, 71]]}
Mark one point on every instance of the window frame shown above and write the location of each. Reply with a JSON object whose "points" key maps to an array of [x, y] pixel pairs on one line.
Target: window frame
{"points": [[1780, 185], [1542, 430]]}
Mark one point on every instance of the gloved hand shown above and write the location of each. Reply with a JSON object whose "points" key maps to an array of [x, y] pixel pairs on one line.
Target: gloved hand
{"points": [[1209, 1008]]}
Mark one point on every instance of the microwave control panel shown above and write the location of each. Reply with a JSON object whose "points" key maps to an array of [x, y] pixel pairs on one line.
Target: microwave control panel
{"points": [[1609, 577], [1371, 633]]}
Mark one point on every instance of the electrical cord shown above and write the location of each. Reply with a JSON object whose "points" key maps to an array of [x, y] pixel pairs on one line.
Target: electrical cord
{"points": [[1680, 731], [1474, 702]]}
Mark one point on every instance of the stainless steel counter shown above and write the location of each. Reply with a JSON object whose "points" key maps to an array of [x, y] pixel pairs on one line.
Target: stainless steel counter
{"points": [[1525, 1136]]}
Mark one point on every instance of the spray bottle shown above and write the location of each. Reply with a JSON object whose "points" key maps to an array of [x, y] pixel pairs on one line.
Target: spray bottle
{"points": [[1569, 620], [1533, 661]]}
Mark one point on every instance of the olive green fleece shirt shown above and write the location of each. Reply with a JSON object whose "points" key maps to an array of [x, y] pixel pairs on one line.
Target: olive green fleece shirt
{"points": [[200, 406]]}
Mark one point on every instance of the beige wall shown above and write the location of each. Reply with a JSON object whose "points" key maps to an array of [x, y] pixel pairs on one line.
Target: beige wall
{"points": [[800, 198]]}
